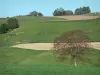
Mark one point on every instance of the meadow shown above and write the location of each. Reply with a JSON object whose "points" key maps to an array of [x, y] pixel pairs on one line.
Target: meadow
{"points": [[47, 29], [15, 61], [48, 70]]}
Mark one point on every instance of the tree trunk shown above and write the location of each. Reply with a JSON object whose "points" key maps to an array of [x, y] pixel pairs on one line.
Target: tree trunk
{"points": [[75, 62]]}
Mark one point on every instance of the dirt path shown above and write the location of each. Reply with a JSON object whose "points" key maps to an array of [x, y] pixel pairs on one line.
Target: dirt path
{"points": [[47, 46], [78, 17]]}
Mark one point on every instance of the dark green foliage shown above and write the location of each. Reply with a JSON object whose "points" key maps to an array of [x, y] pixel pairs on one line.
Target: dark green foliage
{"points": [[82, 10], [40, 14], [35, 13], [12, 23], [3, 28], [60, 12], [68, 12]]}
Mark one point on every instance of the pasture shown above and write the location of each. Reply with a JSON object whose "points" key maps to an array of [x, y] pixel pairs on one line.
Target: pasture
{"points": [[16, 61]]}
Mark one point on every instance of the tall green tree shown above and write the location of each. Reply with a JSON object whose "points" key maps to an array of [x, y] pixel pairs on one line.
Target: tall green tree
{"points": [[61, 12], [35, 13], [82, 10], [40, 14], [68, 12]]}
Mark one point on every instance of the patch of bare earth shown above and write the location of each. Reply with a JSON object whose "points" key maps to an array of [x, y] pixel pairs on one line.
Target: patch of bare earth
{"points": [[47, 46], [78, 17]]}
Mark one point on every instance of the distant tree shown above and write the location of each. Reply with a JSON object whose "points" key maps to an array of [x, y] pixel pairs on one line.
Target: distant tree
{"points": [[73, 43], [7, 17], [40, 14], [12, 23], [68, 12], [77, 11], [82, 10], [56, 13], [88, 9], [59, 12], [34, 13]]}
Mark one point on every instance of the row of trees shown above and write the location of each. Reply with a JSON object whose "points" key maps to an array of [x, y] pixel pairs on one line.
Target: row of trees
{"points": [[11, 24], [61, 12], [35, 13], [82, 10]]}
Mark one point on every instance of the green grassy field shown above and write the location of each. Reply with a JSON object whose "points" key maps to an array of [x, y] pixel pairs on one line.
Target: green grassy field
{"points": [[14, 61], [44, 30], [48, 70], [29, 57]]}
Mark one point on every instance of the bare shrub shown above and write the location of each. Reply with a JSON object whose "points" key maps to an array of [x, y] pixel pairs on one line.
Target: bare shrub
{"points": [[73, 43]]}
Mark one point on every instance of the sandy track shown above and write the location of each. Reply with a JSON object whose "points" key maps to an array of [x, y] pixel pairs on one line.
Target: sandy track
{"points": [[78, 17], [35, 46], [47, 46]]}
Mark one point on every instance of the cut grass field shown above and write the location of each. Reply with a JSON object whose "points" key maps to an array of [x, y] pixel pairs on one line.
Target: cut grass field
{"points": [[36, 30], [48, 70], [29, 57], [14, 61], [78, 17]]}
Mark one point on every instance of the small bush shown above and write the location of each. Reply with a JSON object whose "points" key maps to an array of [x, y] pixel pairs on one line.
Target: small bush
{"points": [[3, 28], [12, 23]]}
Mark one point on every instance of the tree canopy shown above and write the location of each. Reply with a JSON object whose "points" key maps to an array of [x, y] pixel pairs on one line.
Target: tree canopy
{"points": [[35, 13], [78, 11], [12, 23], [3, 28], [61, 12], [74, 43], [82, 10]]}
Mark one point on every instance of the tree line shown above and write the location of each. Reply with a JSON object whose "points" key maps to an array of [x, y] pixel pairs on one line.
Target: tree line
{"points": [[12, 23], [78, 11], [61, 12], [35, 13]]}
